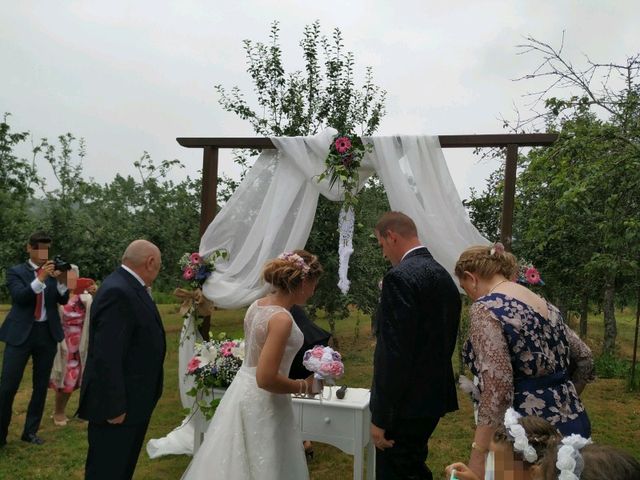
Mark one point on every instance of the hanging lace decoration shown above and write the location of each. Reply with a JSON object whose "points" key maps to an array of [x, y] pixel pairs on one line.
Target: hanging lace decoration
{"points": [[346, 222]]}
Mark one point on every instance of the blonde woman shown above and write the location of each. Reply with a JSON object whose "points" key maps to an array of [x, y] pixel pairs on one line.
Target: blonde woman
{"points": [[253, 432], [522, 352]]}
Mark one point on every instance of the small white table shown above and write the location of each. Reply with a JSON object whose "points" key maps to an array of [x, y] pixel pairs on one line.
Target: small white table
{"points": [[345, 424], [342, 423]]}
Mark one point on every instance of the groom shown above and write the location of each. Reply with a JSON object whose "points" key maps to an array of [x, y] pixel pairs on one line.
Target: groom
{"points": [[417, 323], [122, 381]]}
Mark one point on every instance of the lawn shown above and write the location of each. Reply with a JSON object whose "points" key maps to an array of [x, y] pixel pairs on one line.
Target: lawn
{"points": [[615, 414]]}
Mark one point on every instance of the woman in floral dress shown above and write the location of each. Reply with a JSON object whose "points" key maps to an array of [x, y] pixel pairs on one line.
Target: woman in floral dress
{"points": [[66, 374], [521, 351]]}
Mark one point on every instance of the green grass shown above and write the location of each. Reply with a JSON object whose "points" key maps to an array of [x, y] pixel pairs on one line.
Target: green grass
{"points": [[615, 414]]}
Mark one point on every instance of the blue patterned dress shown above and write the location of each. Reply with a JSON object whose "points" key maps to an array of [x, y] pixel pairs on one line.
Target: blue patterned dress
{"points": [[527, 361]]}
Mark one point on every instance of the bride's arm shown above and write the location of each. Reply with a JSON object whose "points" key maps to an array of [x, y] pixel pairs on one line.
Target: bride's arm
{"points": [[267, 374]]}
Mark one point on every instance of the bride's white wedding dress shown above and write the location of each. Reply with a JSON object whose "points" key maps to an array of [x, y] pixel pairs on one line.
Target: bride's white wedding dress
{"points": [[253, 434]]}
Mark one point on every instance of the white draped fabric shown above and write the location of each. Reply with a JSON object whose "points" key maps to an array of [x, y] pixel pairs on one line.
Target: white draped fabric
{"points": [[274, 207], [179, 441]]}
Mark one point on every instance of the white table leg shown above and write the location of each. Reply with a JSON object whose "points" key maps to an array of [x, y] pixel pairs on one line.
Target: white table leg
{"points": [[371, 461], [357, 464]]}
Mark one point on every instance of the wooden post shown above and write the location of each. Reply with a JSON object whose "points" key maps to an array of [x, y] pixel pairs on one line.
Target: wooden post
{"points": [[508, 199], [209, 207], [208, 197]]}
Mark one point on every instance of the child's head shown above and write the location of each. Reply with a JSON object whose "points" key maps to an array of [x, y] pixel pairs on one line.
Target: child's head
{"points": [[520, 444], [592, 462]]}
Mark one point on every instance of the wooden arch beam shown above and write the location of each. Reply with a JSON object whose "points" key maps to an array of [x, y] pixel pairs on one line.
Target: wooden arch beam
{"points": [[511, 142]]}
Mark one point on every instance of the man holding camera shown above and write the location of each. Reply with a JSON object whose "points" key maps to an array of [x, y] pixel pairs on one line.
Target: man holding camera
{"points": [[32, 328]]}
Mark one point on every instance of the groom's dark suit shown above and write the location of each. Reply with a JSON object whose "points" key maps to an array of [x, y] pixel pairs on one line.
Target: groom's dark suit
{"points": [[123, 374], [413, 384], [27, 338]]}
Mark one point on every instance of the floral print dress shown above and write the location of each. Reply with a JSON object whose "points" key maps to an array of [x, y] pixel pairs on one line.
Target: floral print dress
{"points": [[527, 361], [73, 318]]}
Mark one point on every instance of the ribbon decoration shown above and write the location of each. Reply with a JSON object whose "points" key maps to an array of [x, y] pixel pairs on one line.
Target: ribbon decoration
{"points": [[194, 299]]}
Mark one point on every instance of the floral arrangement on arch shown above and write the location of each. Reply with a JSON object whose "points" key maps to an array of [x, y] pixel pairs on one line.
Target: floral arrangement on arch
{"points": [[214, 365], [528, 274], [345, 156], [195, 271]]}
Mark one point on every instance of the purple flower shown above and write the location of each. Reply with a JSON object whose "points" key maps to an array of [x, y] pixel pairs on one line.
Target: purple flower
{"points": [[347, 159], [202, 273]]}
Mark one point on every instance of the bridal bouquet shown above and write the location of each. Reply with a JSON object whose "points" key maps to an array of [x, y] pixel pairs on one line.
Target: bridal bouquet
{"points": [[325, 363], [213, 365]]}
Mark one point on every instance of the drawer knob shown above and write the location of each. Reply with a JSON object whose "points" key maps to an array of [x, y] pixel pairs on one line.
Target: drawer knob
{"points": [[327, 420]]}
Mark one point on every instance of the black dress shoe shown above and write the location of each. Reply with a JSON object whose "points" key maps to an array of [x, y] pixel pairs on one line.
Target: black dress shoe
{"points": [[32, 438]]}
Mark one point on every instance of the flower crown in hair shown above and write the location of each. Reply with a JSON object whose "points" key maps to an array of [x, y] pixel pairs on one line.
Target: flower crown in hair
{"points": [[297, 260], [519, 435], [569, 461]]}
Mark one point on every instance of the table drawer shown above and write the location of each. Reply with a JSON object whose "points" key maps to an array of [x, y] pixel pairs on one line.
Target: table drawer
{"points": [[328, 421]]}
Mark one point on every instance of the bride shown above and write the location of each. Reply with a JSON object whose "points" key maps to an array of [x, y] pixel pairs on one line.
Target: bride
{"points": [[253, 434]]}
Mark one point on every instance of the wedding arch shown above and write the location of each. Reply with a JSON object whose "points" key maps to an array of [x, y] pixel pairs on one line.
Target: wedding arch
{"points": [[411, 168], [273, 209]]}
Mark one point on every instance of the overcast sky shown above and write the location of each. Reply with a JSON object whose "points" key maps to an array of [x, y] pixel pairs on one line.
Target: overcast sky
{"points": [[132, 76]]}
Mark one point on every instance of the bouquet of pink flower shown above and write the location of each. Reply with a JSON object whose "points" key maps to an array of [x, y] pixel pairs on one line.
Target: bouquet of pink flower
{"points": [[214, 364], [196, 269], [325, 363]]}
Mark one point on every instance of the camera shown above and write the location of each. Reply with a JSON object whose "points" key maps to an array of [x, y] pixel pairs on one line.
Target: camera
{"points": [[60, 264]]}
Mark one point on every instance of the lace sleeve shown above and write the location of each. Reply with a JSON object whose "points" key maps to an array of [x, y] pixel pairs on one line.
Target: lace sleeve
{"points": [[494, 364], [581, 359]]}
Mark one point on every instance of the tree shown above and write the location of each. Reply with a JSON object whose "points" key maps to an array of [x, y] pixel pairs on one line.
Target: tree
{"points": [[303, 103], [577, 201], [18, 180]]}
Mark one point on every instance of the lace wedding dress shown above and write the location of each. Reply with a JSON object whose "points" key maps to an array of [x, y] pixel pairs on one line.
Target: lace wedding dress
{"points": [[253, 434]]}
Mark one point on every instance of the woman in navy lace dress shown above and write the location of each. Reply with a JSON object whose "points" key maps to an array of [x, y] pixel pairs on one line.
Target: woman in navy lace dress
{"points": [[520, 349]]}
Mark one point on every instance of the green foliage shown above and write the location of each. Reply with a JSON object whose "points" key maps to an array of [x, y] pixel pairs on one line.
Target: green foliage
{"points": [[577, 201], [303, 103], [18, 179], [611, 366], [92, 224]]}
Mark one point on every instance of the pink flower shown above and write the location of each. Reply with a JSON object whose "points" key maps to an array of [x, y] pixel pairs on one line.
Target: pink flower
{"points": [[73, 342], [317, 352], [71, 377], [193, 365], [343, 144], [332, 369], [195, 258], [532, 276], [188, 273]]}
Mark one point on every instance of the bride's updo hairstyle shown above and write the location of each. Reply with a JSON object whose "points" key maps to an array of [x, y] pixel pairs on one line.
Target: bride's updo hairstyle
{"points": [[288, 270], [486, 261]]}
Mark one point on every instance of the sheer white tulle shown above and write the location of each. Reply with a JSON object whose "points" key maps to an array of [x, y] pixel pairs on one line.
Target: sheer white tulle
{"points": [[253, 434], [274, 207], [179, 441]]}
